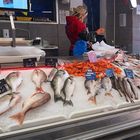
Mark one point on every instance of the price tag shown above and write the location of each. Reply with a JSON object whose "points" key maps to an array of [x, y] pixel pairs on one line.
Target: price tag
{"points": [[129, 73], [52, 62], [30, 62], [109, 73], [92, 56], [3, 86], [90, 75]]}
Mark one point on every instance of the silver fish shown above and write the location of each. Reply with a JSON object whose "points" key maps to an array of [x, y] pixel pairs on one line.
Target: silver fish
{"points": [[122, 89], [57, 85], [68, 90], [7, 102], [107, 85], [128, 89], [36, 100], [14, 80], [38, 77], [117, 86], [134, 88], [52, 74], [92, 87]]}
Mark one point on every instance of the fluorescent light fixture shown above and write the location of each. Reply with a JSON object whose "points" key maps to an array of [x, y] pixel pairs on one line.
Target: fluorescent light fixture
{"points": [[133, 3]]}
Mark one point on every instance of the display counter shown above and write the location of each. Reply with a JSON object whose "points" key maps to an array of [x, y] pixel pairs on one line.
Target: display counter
{"points": [[83, 120]]}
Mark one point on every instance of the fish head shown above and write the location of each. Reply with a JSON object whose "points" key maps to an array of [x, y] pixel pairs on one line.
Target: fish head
{"points": [[71, 78], [60, 72], [106, 80], [36, 71], [106, 83]]}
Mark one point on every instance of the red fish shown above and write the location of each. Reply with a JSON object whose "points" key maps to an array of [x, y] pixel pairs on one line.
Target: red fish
{"points": [[38, 77], [36, 100]]}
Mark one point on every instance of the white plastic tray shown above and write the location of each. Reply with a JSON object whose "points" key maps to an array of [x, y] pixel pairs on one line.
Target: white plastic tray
{"points": [[17, 54]]}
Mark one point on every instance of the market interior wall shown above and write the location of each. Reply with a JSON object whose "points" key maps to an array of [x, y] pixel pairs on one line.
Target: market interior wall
{"points": [[115, 34], [124, 34], [53, 33], [136, 31]]}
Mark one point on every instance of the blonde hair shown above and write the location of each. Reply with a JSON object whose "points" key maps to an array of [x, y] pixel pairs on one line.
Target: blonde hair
{"points": [[79, 11]]}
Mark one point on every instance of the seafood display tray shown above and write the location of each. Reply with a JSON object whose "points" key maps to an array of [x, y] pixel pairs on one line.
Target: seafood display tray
{"points": [[18, 53], [54, 113]]}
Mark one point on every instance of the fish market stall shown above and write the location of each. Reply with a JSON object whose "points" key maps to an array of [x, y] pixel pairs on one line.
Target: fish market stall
{"points": [[77, 99]]}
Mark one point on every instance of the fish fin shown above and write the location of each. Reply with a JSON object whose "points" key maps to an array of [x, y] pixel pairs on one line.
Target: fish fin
{"points": [[39, 89], [19, 117], [92, 99], [68, 103], [108, 94], [58, 98]]}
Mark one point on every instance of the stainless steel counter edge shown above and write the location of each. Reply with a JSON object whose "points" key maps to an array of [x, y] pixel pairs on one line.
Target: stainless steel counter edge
{"points": [[92, 126]]}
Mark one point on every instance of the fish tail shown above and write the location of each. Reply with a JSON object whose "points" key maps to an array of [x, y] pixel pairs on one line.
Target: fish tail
{"points": [[68, 103], [131, 100], [39, 89], [58, 98], [19, 117], [92, 99]]}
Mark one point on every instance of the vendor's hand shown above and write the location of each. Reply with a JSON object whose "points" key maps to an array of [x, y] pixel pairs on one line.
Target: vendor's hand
{"points": [[100, 31]]}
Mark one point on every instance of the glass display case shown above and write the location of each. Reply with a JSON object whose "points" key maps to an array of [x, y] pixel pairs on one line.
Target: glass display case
{"points": [[54, 120]]}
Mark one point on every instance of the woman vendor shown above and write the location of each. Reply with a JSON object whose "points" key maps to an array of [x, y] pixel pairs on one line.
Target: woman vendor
{"points": [[76, 30]]}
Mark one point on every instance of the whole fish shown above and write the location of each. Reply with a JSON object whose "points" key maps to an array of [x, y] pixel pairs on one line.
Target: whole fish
{"points": [[128, 89], [14, 80], [68, 90], [7, 102], [113, 82], [38, 77], [57, 85], [107, 85], [134, 88], [92, 87], [36, 100], [122, 89], [52, 74], [116, 85]]}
